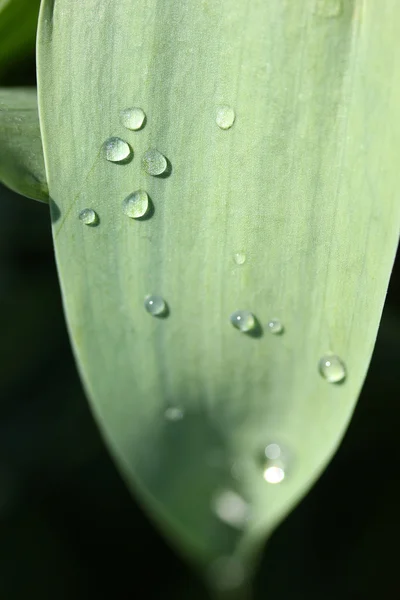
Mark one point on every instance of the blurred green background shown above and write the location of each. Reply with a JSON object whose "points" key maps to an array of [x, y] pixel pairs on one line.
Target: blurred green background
{"points": [[69, 528]]}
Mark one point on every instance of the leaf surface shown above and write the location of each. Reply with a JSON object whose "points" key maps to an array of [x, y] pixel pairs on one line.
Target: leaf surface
{"points": [[304, 186]]}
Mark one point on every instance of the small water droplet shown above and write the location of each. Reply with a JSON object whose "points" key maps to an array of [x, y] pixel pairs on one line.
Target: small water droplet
{"points": [[154, 163], [88, 216], [174, 413], [227, 573], [155, 305], [132, 118], [243, 320], [239, 258], [332, 368], [231, 508], [274, 474], [329, 9], [225, 117], [136, 205], [275, 326], [272, 451], [116, 150]]}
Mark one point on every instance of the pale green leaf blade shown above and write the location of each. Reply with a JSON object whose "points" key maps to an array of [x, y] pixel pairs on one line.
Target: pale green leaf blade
{"points": [[21, 153], [304, 184]]}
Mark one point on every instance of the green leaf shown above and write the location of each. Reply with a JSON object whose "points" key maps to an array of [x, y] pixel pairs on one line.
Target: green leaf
{"points": [[304, 185], [18, 20], [21, 159]]}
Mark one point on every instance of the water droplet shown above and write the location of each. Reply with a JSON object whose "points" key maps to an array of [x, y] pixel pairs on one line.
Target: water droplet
{"points": [[273, 463], [227, 573], [332, 368], [275, 326], [272, 451], [154, 163], [155, 305], [132, 118], [136, 205], [243, 320], [274, 474], [225, 117], [328, 9], [239, 258], [174, 413], [88, 216], [231, 508], [116, 150]]}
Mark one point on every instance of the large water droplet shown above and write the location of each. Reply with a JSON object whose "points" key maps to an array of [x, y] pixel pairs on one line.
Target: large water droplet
{"points": [[136, 205], [332, 368], [132, 118], [231, 508], [275, 326], [225, 117], [328, 8], [174, 413], [154, 163], [116, 150], [156, 306], [243, 320], [239, 258], [88, 216]]}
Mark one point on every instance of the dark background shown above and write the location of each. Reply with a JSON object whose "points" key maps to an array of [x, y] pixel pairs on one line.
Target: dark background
{"points": [[68, 527]]}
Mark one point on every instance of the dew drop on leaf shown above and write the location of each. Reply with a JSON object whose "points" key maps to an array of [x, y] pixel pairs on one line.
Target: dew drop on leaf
{"points": [[173, 413], [116, 150], [155, 305], [154, 163], [136, 204], [225, 116], [272, 451], [275, 326], [132, 118], [88, 216], [231, 508], [239, 258], [332, 368], [243, 320]]}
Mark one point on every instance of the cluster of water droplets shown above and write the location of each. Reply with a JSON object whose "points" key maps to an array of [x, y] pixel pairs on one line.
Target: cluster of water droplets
{"points": [[117, 150], [229, 506]]}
